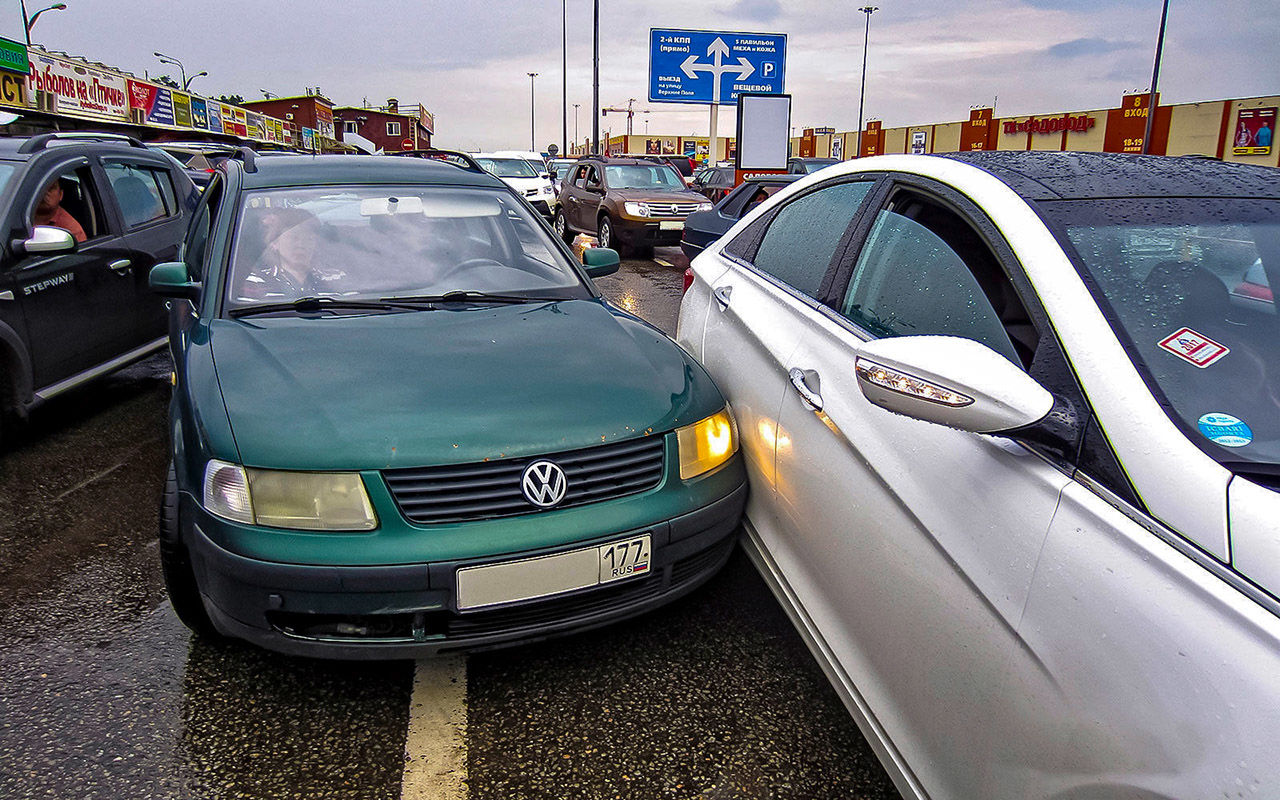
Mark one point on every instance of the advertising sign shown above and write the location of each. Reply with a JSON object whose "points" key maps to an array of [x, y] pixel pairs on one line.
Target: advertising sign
{"points": [[199, 116], [78, 89], [13, 57], [837, 147], [764, 131], [13, 89], [919, 142], [182, 109], [713, 67], [214, 110], [1255, 128], [228, 115], [155, 102], [240, 119], [256, 125], [308, 139]]}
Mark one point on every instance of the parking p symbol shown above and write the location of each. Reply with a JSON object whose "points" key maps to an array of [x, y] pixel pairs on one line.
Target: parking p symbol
{"points": [[767, 69]]}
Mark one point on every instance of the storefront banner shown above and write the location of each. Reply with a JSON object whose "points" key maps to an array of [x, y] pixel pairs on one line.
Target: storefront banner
{"points": [[13, 89], [155, 102], [228, 119], [257, 126], [13, 57], [199, 116], [308, 139], [214, 109], [182, 109], [1255, 128], [79, 90]]}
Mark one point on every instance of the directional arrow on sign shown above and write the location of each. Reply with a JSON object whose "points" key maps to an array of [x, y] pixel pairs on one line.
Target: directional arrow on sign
{"points": [[718, 52]]}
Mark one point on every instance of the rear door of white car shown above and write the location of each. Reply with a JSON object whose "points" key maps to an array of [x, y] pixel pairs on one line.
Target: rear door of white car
{"points": [[911, 546], [757, 311]]}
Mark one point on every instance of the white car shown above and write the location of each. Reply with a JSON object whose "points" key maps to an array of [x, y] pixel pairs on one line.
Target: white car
{"points": [[524, 178], [1014, 458]]}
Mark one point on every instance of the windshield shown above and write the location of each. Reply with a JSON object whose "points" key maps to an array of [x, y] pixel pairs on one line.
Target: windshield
{"points": [[656, 176], [1187, 285], [562, 165], [508, 167], [369, 242]]}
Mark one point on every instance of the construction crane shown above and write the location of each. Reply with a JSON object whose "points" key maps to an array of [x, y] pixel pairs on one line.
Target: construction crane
{"points": [[631, 111]]}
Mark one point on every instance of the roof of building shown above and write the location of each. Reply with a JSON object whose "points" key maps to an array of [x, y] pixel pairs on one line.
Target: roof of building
{"points": [[327, 170], [1078, 175]]}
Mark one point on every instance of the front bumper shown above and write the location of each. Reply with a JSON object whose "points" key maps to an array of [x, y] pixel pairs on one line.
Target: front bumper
{"points": [[410, 611], [646, 234]]}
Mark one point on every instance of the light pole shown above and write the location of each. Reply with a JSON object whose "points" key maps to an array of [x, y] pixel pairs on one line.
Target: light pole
{"points": [[171, 60], [1155, 79], [862, 96], [564, 77], [29, 22], [575, 123], [532, 137], [187, 83], [595, 77]]}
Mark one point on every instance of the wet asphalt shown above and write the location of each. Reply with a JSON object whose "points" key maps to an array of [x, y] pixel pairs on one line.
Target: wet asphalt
{"points": [[104, 694]]}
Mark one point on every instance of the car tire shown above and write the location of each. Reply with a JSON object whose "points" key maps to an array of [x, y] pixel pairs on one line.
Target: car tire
{"points": [[175, 563], [605, 236], [562, 227]]}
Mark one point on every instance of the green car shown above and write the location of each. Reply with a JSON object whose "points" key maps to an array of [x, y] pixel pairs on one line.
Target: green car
{"points": [[405, 422]]}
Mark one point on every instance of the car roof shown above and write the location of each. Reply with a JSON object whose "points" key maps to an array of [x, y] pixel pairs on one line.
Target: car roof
{"points": [[1078, 176], [306, 170]]}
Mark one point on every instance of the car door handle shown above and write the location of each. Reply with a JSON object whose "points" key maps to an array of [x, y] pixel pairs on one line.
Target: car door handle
{"points": [[799, 379], [723, 293], [122, 266]]}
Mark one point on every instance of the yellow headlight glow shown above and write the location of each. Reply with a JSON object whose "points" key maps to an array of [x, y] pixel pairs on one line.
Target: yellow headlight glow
{"points": [[706, 444]]}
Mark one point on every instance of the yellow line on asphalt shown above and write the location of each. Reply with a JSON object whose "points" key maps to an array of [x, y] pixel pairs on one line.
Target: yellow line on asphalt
{"points": [[435, 751], [663, 263]]}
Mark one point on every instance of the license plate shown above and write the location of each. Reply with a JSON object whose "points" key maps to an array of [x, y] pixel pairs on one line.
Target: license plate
{"points": [[671, 225], [531, 578]]}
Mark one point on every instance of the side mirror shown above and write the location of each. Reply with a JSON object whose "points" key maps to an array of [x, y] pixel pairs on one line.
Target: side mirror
{"points": [[600, 261], [170, 279], [46, 239], [951, 381]]}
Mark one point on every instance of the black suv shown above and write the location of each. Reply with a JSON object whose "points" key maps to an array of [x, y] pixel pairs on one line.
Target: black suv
{"points": [[74, 298]]}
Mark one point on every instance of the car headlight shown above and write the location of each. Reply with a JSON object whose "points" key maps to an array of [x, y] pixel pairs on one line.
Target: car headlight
{"points": [[707, 444], [309, 501], [704, 206], [637, 209]]}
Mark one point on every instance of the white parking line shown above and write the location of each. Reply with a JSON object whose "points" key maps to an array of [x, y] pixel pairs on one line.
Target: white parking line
{"points": [[435, 751]]}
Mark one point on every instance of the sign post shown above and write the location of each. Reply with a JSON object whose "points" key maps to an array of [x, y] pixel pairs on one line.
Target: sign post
{"points": [[692, 67]]}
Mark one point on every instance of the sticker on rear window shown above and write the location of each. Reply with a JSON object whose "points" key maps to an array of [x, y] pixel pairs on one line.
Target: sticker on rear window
{"points": [[1195, 348], [1225, 430]]}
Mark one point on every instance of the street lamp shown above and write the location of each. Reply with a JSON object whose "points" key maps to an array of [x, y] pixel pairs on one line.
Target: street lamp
{"points": [[532, 137], [1155, 79], [187, 82], [29, 22], [862, 96], [564, 76], [171, 60], [267, 95], [575, 123]]}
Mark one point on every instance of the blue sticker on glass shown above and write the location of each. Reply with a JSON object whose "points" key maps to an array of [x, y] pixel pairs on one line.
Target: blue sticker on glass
{"points": [[1225, 430]]}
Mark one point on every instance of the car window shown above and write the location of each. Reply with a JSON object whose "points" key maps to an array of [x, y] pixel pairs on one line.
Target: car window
{"points": [[73, 205], [918, 274], [143, 193], [367, 242], [508, 167], [655, 176], [195, 248], [801, 240]]}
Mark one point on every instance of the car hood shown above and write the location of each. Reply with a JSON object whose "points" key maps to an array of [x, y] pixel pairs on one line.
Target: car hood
{"points": [[520, 184], [652, 196], [450, 386]]}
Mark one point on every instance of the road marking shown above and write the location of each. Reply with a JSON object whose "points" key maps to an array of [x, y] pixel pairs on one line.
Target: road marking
{"points": [[435, 751], [661, 262]]}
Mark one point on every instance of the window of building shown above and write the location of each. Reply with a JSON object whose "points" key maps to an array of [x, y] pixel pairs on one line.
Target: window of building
{"points": [[393, 128], [351, 126]]}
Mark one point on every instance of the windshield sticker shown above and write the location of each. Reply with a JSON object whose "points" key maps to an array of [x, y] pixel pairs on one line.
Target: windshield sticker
{"points": [[1195, 348], [1225, 430]]}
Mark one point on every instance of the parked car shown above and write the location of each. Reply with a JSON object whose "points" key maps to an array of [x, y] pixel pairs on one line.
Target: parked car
{"points": [[714, 182], [198, 158], [371, 453], [1015, 461], [536, 160], [74, 303], [524, 178], [704, 227], [805, 166], [631, 204]]}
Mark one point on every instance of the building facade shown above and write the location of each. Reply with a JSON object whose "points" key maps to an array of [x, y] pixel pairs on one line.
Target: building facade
{"points": [[388, 128]]}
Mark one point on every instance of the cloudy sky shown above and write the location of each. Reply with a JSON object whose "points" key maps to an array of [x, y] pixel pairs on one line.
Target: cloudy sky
{"points": [[929, 60]]}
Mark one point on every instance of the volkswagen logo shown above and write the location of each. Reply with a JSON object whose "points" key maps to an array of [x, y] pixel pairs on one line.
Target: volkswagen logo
{"points": [[543, 484]]}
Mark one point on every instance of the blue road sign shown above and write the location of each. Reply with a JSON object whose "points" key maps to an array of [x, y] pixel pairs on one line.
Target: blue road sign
{"points": [[714, 66]]}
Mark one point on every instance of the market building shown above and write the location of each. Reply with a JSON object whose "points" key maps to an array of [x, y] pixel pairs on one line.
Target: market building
{"points": [[389, 128]]}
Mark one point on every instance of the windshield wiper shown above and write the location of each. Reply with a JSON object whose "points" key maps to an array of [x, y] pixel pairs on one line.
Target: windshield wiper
{"points": [[308, 305], [469, 296]]}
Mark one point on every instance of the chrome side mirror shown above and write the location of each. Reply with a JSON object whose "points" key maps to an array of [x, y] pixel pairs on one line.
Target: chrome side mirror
{"points": [[46, 239], [951, 381]]}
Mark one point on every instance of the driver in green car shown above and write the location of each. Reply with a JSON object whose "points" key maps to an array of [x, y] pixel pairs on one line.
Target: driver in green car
{"points": [[288, 269]]}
